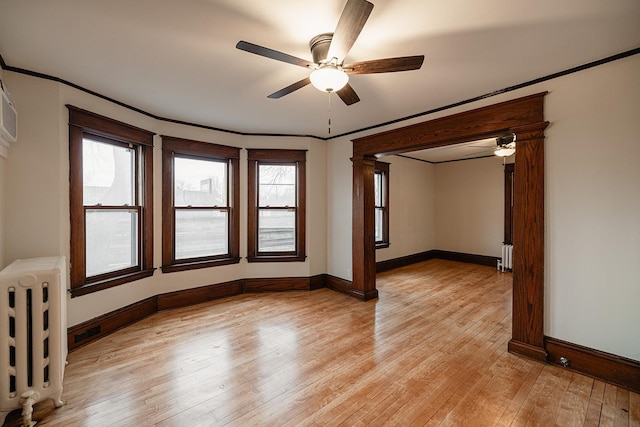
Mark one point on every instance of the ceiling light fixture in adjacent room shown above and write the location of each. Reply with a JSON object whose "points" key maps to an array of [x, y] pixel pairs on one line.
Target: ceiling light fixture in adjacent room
{"points": [[506, 146]]}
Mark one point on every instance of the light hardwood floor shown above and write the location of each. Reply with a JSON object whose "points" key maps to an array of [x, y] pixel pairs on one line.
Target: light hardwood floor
{"points": [[431, 351]]}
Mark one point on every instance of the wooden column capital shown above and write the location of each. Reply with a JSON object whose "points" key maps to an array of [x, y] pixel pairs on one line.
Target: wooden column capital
{"points": [[530, 132]]}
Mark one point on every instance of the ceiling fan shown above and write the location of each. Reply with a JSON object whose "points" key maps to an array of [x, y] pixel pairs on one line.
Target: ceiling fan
{"points": [[505, 145], [329, 73]]}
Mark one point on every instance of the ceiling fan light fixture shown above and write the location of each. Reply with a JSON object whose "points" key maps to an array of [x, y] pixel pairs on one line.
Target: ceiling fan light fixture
{"points": [[505, 150], [506, 145], [329, 78]]}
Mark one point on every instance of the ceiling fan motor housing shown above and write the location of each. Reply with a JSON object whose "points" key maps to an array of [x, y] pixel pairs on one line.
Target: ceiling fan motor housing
{"points": [[320, 47]]}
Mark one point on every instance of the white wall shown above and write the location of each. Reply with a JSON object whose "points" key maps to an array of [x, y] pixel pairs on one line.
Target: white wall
{"points": [[37, 201], [592, 204], [412, 219], [339, 187], [469, 206], [592, 201]]}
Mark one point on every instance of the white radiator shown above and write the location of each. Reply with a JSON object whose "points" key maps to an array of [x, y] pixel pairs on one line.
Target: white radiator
{"points": [[33, 344], [506, 262]]}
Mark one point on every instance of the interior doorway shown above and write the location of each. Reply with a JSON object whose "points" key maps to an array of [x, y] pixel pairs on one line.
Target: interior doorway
{"points": [[522, 116]]}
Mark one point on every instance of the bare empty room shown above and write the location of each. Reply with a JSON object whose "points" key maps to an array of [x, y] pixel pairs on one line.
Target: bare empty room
{"points": [[319, 213]]}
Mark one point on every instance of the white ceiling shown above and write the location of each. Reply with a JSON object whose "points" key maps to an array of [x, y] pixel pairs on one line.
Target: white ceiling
{"points": [[177, 58], [465, 151]]}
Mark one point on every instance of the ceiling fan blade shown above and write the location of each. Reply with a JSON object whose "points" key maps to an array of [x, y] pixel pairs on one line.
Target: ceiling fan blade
{"points": [[388, 65], [348, 95], [273, 54], [351, 22], [291, 88]]}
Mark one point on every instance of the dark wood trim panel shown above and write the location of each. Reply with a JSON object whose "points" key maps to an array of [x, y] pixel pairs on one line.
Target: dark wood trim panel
{"points": [[187, 297], [318, 281], [171, 147], [485, 122], [199, 148], [527, 350], [391, 264], [275, 156], [96, 328], [364, 245], [525, 117], [107, 127], [509, 172], [528, 236], [109, 283], [77, 226], [383, 167], [277, 284], [339, 285], [489, 261], [101, 326], [607, 367], [81, 123]]}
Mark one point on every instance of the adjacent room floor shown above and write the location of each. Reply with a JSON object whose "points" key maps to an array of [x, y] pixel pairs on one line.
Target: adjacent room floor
{"points": [[430, 351]]}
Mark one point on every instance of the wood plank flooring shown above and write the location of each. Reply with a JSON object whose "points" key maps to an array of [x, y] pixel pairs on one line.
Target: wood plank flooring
{"points": [[431, 351]]}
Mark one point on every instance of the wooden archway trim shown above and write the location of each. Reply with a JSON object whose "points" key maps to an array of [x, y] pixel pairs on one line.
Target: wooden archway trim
{"points": [[525, 117]]}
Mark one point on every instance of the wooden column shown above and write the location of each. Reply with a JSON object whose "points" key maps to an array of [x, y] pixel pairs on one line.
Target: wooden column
{"points": [[528, 243], [364, 248]]}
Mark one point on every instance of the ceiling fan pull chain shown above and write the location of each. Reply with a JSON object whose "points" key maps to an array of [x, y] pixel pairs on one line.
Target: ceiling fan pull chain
{"points": [[329, 112]]}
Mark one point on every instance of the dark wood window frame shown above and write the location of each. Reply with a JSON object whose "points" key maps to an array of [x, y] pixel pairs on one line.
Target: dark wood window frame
{"points": [[382, 168], [179, 147], [509, 169], [83, 124], [283, 157]]}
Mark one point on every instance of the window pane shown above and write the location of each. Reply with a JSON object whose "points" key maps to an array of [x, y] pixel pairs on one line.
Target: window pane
{"points": [[201, 233], [277, 185], [377, 185], [276, 231], [107, 174], [379, 236], [200, 182], [112, 241]]}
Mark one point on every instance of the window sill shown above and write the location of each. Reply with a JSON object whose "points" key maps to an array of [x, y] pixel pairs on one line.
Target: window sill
{"points": [[382, 245], [89, 288], [199, 264], [277, 258]]}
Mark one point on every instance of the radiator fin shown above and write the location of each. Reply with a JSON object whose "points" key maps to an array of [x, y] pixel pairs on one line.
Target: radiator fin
{"points": [[33, 345]]}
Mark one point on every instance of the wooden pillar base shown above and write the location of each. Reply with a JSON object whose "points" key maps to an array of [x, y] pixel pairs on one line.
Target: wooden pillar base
{"points": [[527, 350], [364, 295]]}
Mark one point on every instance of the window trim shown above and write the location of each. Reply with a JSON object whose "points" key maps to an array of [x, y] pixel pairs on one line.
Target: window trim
{"points": [[276, 156], [509, 174], [85, 123], [187, 148], [383, 169]]}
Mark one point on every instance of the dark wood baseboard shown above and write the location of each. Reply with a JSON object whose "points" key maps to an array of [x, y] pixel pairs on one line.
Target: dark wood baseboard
{"points": [[277, 284], [364, 296], [339, 285], [490, 261], [96, 328], [391, 264], [607, 367], [527, 350], [194, 296]]}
